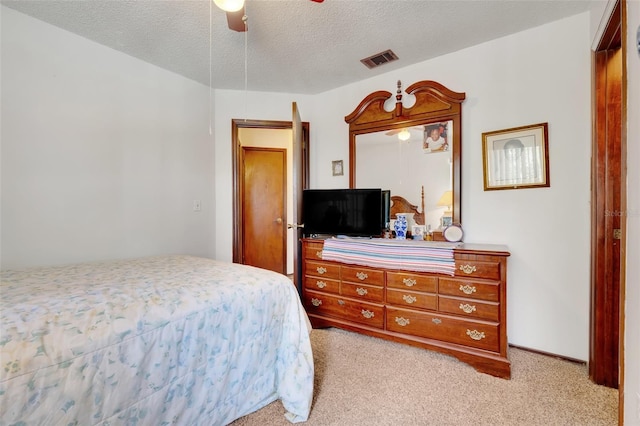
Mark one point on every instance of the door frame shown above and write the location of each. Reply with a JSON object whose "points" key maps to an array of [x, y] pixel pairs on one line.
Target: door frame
{"points": [[613, 35], [236, 159]]}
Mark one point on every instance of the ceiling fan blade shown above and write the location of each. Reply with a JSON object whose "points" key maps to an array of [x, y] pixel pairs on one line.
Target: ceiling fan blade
{"points": [[235, 21], [396, 131]]}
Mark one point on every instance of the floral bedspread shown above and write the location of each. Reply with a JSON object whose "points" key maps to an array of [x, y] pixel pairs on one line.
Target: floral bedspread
{"points": [[155, 341]]}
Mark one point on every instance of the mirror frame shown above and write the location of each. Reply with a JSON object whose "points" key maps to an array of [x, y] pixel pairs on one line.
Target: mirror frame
{"points": [[433, 102]]}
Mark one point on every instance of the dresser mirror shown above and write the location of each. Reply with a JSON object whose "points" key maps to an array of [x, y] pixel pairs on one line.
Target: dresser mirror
{"points": [[410, 145]]}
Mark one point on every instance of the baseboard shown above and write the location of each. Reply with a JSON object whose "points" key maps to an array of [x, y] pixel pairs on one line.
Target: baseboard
{"points": [[549, 354]]}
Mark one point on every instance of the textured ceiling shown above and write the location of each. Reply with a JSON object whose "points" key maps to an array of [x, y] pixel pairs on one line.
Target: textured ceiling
{"points": [[295, 46]]}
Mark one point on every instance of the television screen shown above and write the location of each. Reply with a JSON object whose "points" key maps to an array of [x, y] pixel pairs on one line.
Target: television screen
{"points": [[386, 208], [353, 212]]}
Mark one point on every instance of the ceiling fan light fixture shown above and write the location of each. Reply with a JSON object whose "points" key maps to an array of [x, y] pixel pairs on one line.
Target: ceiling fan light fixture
{"points": [[404, 135], [229, 5]]}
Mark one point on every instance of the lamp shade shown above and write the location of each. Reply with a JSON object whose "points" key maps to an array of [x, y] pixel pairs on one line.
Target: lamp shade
{"points": [[229, 5], [446, 199]]}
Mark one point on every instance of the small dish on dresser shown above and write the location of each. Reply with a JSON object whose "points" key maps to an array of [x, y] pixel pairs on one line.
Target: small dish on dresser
{"points": [[453, 233]]}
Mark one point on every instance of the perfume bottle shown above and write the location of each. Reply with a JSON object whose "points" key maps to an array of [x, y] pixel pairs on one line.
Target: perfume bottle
{"points": [[429, 234]]}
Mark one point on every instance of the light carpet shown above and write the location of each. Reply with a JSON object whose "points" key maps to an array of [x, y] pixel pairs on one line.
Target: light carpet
{"points": [[361, 380]]}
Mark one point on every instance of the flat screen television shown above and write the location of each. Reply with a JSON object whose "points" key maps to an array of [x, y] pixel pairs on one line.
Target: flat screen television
{"points": [[354, 212], [386, 208]]}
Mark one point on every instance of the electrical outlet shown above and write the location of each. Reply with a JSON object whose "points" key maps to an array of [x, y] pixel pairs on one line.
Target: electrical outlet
{"points": [[197, 206]]}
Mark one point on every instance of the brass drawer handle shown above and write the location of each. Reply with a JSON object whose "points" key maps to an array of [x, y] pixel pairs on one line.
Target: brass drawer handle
{"points": [[403, 322], [361, 291], [367, 314], [316, 302], [467, 289], [341, 302], [436, 321], [319, 254], [467, 308], [321, 284], [409, 282], [321, 270], [362, 276], [475, 334], [409, 299], [468, 269]]}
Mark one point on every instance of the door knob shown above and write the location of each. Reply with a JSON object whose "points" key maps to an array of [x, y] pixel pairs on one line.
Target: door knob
{"points": [[279, 221]]}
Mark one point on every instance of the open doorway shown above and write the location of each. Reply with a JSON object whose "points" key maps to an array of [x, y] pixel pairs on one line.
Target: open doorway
{"points": [[263, 193]]}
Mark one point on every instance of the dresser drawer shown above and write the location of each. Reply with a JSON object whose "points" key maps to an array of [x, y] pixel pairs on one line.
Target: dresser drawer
{"points": [[322, 284], [363, 291], [344, 308], [360, 274], [322, 269], [477, 269], [412, 299], [469, 289], [313, 250], [469, 308], [477, 334], [412, 281]]}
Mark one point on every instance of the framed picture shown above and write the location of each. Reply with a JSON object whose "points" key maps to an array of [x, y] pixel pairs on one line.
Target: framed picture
{"points": [[336, 166], [516, 158], [417, 231], [437, 136]]}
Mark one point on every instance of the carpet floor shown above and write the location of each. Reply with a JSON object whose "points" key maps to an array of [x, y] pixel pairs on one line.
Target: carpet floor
{"points": [[361, 380]]}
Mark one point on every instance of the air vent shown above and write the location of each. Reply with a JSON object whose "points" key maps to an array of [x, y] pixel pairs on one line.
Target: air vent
{"points": [[379, 59]]}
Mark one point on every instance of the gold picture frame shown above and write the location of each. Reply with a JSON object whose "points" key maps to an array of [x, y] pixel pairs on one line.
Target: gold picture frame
{"points": [[516, 158]]}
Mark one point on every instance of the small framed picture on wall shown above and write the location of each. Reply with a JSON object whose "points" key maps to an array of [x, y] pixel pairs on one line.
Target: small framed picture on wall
{"points": [[336, 167]]}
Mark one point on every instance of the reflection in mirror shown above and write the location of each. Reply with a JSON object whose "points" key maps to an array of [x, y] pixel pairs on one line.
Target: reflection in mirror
{"points": [[404, 167], [412, 149]]}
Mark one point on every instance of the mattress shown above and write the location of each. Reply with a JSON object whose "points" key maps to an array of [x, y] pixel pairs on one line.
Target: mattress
{"points": [[154, 341]]}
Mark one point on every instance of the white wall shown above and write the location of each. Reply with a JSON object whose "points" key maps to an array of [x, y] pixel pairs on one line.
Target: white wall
{"points": [[102, 154]]}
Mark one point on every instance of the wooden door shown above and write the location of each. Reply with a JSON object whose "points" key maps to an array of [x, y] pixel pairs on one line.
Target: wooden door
{"points": [[297, 187], [264, 200], [607, 206]]}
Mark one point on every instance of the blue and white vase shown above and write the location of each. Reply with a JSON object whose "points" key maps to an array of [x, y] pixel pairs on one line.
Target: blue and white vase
{"points": [[400, 226]]}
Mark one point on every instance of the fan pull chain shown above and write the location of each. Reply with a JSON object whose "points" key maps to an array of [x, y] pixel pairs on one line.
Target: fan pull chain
{"points": [[210, 73], [246, 43]]}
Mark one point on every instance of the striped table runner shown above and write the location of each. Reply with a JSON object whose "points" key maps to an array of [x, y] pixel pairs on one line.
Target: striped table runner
{"points": [[410, 255]]}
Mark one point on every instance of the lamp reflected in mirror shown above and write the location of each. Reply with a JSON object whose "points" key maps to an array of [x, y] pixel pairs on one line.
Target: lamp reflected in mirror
{"points": [[446, 200], [229, 5]]}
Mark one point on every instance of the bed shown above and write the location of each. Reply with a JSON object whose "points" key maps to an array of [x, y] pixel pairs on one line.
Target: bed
{"points": [[401, 205], [154, 341]]}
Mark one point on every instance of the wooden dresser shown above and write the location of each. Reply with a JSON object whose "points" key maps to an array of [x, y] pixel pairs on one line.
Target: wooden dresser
{"points": [[464, 315]]}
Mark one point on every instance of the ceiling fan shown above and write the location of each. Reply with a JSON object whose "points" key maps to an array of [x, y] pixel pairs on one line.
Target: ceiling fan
{"points": [[236, 18], [404, 133]]}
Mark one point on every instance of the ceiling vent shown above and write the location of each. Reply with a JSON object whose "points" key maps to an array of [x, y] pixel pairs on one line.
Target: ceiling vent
{"points": [[379, 59]]}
